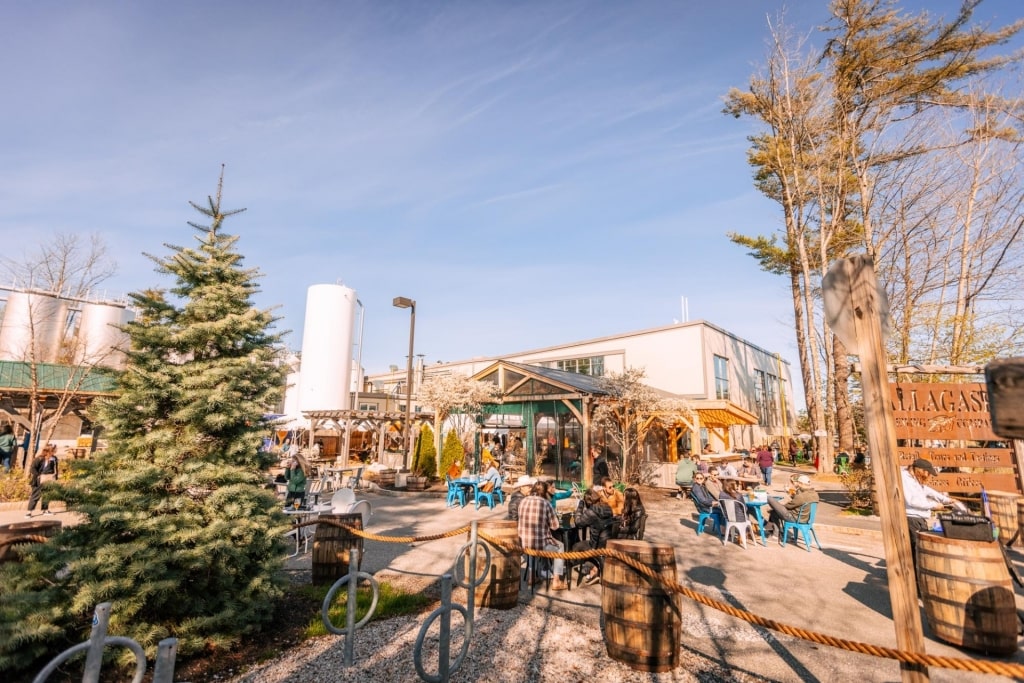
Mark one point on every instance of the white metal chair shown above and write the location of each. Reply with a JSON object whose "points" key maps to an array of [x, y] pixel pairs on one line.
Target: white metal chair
{"points": [[344, 501], [736, 519]]}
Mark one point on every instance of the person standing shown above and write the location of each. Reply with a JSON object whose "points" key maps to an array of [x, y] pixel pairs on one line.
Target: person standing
{"points": [[295, 473], [536, 521], [44, 469], [8, 446], [765, 460], [600, 470], [919, 500]]}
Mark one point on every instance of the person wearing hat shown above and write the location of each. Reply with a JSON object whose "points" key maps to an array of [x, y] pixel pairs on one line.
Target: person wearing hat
{"points": [[787, 512], [920, 500], [522, 488]]}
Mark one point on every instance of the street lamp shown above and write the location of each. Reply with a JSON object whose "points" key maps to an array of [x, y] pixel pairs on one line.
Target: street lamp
{"points": [[404, 302]]}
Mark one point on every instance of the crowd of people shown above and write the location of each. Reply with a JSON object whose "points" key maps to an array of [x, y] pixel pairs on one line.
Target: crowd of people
{"points": [[603, 513]]}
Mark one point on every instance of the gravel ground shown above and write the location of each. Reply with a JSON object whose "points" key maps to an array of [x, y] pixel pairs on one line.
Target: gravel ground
{"points": [[526, 643]]}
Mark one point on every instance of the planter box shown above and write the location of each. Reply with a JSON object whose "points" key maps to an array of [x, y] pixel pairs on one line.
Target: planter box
{"points": [[417, 483]]}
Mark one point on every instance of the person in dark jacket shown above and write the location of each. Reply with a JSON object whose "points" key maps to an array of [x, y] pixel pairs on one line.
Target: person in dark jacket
{"points": [[522, 488], [43, 469], [596, 517]]}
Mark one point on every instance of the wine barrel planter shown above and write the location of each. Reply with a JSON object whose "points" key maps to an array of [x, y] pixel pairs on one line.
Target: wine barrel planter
{"points": [[500, 588], [386, 479], [414, 483], [642, 623], [967, 594], [331, 545], [1004, 513], [19, 533]]}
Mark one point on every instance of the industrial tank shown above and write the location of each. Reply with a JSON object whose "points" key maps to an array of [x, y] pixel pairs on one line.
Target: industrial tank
{"points": [[33, 326], [99, 341], [326, 367]]}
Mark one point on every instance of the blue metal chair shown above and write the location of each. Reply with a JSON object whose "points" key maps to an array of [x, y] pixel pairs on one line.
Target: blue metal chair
{"points": [[807, 510], [714, 514], [456, 494], [489, 496]]}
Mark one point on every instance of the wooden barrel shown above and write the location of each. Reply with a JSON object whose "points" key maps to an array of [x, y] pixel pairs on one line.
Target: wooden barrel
{"points": [[500, 588], [386, 479], [642, 624], [24, 531], [967, 594], [331, 545], [1004, 513]]}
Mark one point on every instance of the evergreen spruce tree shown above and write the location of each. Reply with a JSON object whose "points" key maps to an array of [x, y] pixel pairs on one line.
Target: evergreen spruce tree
{"points": [[180, 533]]}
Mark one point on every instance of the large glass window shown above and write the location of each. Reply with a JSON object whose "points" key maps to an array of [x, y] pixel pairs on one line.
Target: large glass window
{"points": [[593, 366], [721, 377], [766, 391]]}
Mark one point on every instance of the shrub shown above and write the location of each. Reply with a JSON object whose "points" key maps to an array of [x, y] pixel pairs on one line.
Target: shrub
{"points": [[859, 483], [424, 462], [452, 451]]}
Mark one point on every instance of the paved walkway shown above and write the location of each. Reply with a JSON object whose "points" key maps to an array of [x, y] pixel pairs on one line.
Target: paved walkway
{"points": [[841, 591]]}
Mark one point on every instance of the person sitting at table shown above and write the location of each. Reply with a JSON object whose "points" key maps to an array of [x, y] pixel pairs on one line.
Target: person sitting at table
{"points": [[634, 515], [713, 483], [522, 488], [296, 471], [750, 470], [612, 496], [684, 475], [491, 478], [537, 519], [727, 469], [702, 464], [731, 490], [803, 493], [702, 496], [596, 517]]}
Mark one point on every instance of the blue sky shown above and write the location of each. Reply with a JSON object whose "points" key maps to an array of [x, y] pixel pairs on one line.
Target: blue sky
{"points": [[531, 173]]}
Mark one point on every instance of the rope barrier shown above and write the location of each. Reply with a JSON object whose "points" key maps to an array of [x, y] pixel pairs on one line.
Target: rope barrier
{"points": [[955, 663]]}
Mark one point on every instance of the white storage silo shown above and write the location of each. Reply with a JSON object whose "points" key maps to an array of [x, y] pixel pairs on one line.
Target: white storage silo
{"points": [[99, 341], [327, 348], [33, 326]]}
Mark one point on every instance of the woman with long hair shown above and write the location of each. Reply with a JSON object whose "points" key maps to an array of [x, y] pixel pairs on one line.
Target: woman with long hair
{"points": [[634, 515]]}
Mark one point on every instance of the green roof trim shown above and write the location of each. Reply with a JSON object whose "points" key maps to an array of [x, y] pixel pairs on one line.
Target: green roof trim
{"points": [[17, 376]]}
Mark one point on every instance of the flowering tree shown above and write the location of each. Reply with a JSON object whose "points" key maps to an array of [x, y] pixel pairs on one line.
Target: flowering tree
{"points": [[459, 398], [629, 411]]}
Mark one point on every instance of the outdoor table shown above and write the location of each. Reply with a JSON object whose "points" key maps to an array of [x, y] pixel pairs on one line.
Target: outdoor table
{"points": [[470, 483], [754, 504], [300, 515], [740, 479], [336, 473]]}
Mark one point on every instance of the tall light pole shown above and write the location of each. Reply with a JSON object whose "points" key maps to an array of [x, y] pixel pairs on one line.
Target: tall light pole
{"points": [[404, 302]]}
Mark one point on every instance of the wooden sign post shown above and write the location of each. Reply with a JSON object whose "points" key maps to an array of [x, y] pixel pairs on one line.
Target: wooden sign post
{"points": [[853, 309]]}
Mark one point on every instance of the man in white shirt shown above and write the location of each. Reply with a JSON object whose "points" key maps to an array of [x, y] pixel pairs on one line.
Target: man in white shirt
{"points": [[921, 500]]}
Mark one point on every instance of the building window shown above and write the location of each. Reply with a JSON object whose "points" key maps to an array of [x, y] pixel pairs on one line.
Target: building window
{"points": [[721, 377], [766, 391], [593, 366]]}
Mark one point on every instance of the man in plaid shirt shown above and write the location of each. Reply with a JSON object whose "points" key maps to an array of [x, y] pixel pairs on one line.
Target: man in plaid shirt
{"points": [[536, 521]]}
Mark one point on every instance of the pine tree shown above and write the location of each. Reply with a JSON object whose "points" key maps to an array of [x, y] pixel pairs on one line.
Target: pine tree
{"points": [[180, 533]]}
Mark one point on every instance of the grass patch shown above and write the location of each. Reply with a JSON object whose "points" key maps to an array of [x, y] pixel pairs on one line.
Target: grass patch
{"points": [[13, 486], [392, 602]]}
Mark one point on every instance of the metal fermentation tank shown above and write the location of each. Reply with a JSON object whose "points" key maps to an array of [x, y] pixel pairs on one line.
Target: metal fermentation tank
{"points": [[326, 368]]}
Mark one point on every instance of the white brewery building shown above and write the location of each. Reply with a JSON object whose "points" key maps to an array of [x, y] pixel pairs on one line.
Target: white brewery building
{"points": [[741, 393]]}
